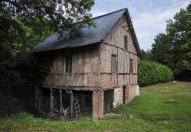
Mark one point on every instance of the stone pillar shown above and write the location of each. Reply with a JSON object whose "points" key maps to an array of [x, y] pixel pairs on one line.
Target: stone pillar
{"points": [[51, 102], [98, 104]]}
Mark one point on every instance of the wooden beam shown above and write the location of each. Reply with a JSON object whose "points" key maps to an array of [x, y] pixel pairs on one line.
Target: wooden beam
{"points": [[61, 117], [61, 106], [36, 98], [128, 51], [71, 104], [51, 101], [64, 87]]}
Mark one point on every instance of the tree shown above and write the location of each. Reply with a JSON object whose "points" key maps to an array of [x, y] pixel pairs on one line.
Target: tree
{"points": [[146, 55], [59, 15], [24, 23], [162, 50], [173, 48]]}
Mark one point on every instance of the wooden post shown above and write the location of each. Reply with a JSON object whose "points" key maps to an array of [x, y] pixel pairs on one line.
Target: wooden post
{"points": [[71, 104], [51, 101], [39, 98], [61, 106], [83, 102], [36, 98]]}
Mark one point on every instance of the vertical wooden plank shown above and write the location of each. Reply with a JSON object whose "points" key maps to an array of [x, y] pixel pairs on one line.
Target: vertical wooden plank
{"points": [[99, 68], [117, 66], [129, 68]]}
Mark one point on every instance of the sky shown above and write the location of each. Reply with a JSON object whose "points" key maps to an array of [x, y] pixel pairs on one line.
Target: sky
{"points": [[149, 16]]}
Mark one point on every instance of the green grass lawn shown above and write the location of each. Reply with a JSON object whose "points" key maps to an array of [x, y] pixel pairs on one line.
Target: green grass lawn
{"points": [[160, 108]]}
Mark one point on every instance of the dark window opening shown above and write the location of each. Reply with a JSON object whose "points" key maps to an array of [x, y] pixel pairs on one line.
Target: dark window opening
{"points": [[131, 66], [125, 42], [68, 64], [113, 63], [108, 101]]}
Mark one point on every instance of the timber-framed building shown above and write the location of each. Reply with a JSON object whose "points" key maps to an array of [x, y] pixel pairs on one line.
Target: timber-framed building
{"points": [[93, 73]]}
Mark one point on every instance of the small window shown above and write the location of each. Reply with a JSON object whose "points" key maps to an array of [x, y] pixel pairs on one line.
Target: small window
{"points": [[113, 64], [125, 42], [68, 64], [131, 66]]}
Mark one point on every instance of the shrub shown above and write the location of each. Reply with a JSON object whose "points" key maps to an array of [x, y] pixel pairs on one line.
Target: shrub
{"points": [[150, 72], [9, 105]]}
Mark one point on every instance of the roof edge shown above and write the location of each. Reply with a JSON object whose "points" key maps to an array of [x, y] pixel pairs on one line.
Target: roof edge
{"points": [[133, 33], [109, 13]]}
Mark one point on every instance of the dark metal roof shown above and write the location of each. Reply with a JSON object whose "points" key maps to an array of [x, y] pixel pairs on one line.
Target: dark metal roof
{"points": [[89, 35]]}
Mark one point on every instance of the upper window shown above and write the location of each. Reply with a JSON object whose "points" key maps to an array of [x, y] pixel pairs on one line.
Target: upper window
{"points": [[68, 64], [113, 63], [131, 66], [125, 41]]}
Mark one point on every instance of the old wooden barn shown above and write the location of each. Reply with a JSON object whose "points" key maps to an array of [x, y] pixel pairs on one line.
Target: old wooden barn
{"points": [[93, 73]]}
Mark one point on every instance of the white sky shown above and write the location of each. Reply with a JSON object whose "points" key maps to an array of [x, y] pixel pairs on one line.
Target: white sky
{"points": [[149, 16]]}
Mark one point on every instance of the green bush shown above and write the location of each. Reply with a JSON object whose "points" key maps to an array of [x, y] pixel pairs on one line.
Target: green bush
{"points": [[150, 72]]}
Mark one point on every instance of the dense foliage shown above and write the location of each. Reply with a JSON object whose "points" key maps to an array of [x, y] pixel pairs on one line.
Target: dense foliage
{"points": [[173, 48], [24, 23], [150, 72]]}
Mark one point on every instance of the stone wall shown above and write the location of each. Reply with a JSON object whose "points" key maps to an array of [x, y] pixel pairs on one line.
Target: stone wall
{"points": [[131, 92], [118, 97]]}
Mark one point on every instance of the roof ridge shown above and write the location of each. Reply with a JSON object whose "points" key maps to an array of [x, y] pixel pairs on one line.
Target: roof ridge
{"points": [[109, 13]]}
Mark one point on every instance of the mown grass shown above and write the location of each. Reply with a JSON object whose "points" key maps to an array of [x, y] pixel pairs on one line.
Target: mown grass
{"points": [[160, 108]]}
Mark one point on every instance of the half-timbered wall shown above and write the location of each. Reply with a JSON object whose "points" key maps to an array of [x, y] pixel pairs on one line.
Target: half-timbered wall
{"points": [[114, 45], [84, 69]]}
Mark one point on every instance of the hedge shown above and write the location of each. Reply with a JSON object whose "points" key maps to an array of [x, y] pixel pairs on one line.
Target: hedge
{"points": [[150, 72]]}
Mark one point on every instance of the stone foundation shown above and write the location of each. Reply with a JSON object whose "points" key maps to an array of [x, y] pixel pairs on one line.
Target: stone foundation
{"points": [[118, 97], [133, 91], [130, 92]]}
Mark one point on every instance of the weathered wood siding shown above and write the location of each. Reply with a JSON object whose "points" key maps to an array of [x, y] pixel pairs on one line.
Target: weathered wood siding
{"points": [[84, 69], [114, 45]]}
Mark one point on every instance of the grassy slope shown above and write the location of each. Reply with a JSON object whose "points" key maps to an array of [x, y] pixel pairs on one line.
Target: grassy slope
{"points": [[163, 107]]}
